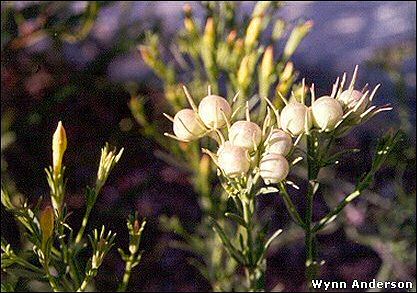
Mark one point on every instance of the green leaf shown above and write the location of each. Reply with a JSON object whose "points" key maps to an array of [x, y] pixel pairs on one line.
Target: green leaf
{"points": [[7, 287], [275, 235], [335, 158], [237, 255], [236, 218], [384, 149], [267, 190], [267, 245], [123, 255], [22, 273], [91, 197], [201, 267]]}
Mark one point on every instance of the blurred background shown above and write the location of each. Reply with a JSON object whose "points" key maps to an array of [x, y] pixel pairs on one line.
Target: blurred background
{"points": [[78, 61]]}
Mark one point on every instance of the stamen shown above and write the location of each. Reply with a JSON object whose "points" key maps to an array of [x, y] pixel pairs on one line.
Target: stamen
{"points": [[190, 99]]}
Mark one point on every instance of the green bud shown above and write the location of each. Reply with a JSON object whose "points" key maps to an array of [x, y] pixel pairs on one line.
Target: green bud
{"points": [[297, 35]]}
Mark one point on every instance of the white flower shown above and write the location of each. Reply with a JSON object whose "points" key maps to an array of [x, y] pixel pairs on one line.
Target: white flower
{"points": [[279, 142], [274, 168], [214, 110], [186, 125], [350, 98], [293, 118], [233, 160], [245, 134], [327, 112]]}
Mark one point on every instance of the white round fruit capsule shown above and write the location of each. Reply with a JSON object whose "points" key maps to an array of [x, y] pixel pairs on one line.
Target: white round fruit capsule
{"points": [[233, 160], [274, 168], [326, 112], [245, 134], [293, 117], [186, 125], [351, 98], [210, 110], [279, 142]]}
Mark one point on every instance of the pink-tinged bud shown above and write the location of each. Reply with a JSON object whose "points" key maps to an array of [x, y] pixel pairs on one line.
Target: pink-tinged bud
{"points": [[136, 226], [293, 118], [327, 112], [350, 98], [214, 111], [231, 37], [245, 134], [274, 168], [233, 160], [186, 125], [279, 143]]}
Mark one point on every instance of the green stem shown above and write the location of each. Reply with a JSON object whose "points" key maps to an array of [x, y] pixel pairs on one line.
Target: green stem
{"points": [[51, 279], [331, 215], [251, 279], [126, 275], [291, 207], [253, 271], [84, 284], [309, 239], [313, 170], [87, 279], [247, 216], [349, 198], [24, 263], [83, 225], [66, 253]]}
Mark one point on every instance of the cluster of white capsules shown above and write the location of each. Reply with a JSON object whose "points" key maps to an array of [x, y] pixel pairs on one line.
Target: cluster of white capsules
{"points": [[339, 112], [265, 150], [247, 147]]}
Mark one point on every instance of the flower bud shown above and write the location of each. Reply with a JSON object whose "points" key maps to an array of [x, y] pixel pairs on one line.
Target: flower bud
{"points": [[204, 167], [136, 227], [327, 112], [267, 64], [108, 159], [233, 160], [59, 145], [287, 72], [293, 118], [214, 110], [231, 37], [237, 48], [295, 38], [261, 8], [186, 125], [279, 143], [147, 56], [209, 37], [274, 168], [245, 134], [266, 72], [253, 31], [350, 98], [190, 25], [279, 29], [188, 10], [243, 73], [46, 222]]}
